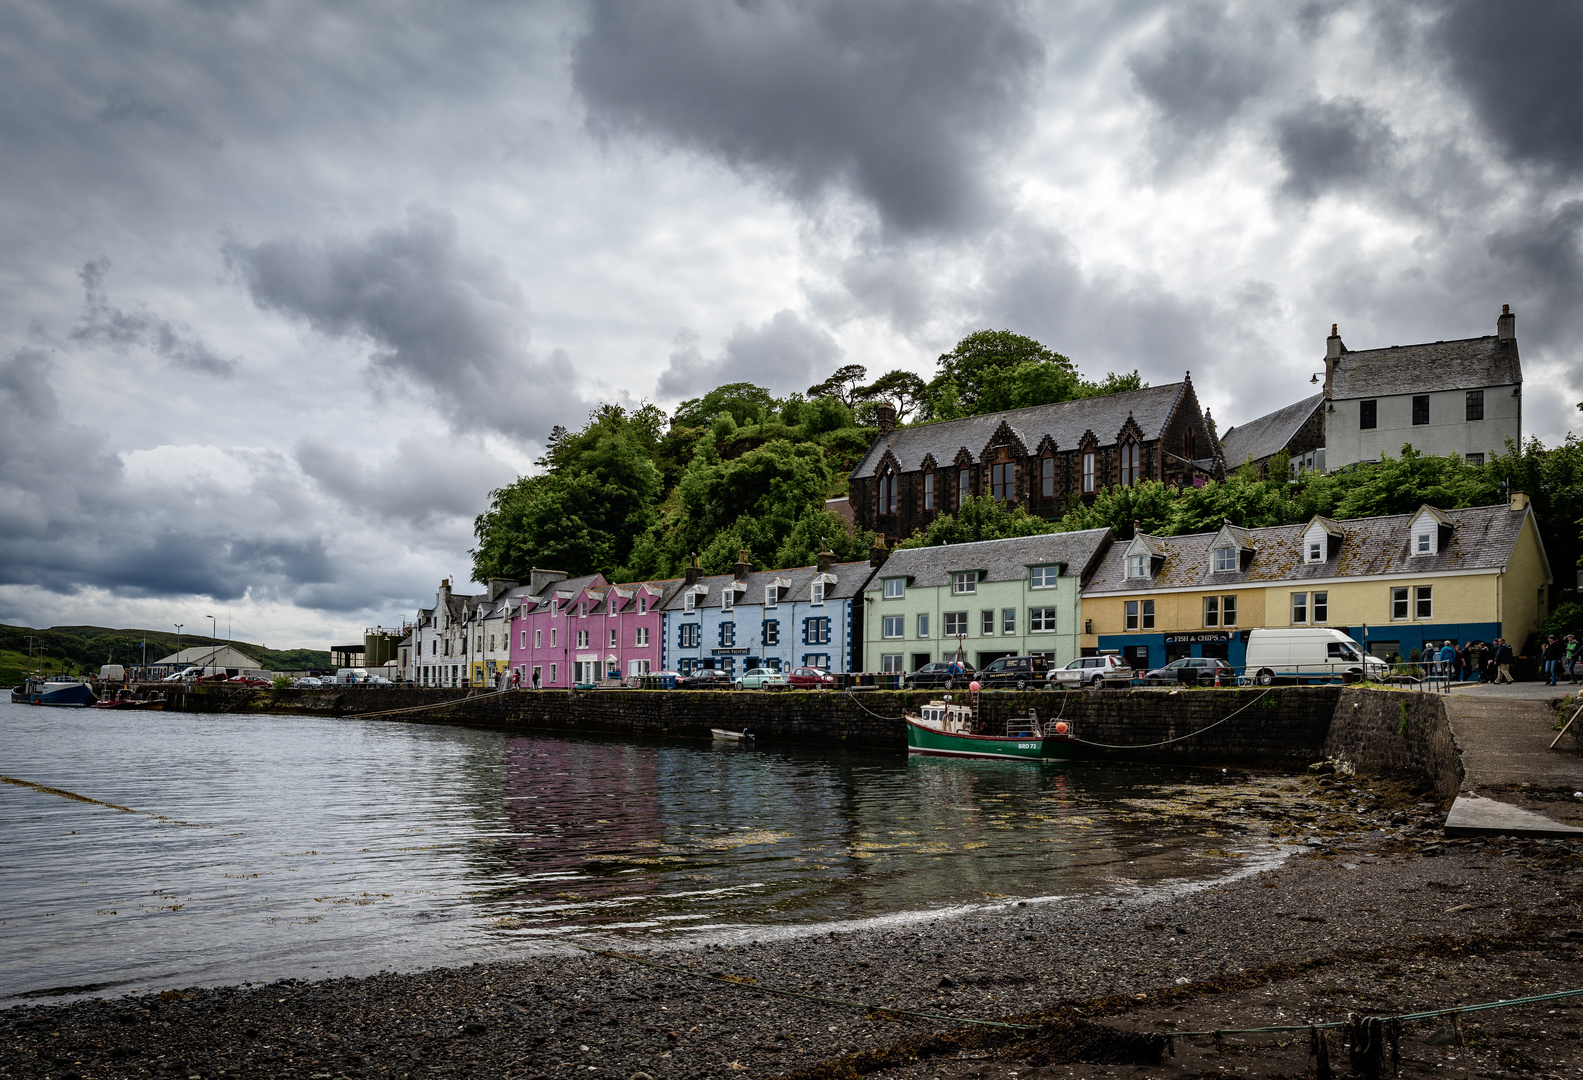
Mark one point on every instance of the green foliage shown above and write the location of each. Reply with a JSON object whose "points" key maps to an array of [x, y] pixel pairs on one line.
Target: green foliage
{"points": [[280, 682], [903, 389], [1149, 503], [981, 517], [993, 370], [842, 385], [745, 402], [82, 649], [825, 414], [1567, 618]]}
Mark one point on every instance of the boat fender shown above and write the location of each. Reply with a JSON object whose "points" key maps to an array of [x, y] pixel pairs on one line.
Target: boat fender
{"points": [[1062, 727]]}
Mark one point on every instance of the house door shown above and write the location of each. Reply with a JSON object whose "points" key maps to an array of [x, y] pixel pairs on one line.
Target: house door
{"points": [[1137, 657], [919, 659]]}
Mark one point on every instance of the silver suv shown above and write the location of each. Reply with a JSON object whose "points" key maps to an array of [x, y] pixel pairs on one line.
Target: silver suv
{"points": [[1091, 671]]}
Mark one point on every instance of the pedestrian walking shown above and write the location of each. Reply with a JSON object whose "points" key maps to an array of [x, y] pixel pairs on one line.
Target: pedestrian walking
{"points": [[1551, 658], [1503, 662], [1448, 658], [1570, 657]]}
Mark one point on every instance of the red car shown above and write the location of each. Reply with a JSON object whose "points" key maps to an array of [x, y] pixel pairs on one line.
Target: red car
{"points": [[810, 678], [248, 680]]}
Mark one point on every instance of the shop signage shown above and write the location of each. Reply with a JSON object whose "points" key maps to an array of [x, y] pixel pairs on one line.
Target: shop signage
{"points": [[1202, 637], [728, 652]]}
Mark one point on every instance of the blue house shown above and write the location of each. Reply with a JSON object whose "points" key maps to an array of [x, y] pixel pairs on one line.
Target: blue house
{"points": [[810, 616]]}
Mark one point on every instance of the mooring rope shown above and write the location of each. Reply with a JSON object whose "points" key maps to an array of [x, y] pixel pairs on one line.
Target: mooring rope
{"points": [[865, 708], [743, 984], [1179, 738], [63, 793]]}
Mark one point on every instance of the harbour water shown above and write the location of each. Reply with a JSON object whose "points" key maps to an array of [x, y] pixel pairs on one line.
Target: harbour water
{"points": [[249, 848]]}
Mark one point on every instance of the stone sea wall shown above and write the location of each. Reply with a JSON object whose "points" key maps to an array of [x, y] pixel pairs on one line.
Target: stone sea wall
{"points": [[1396, 733]]}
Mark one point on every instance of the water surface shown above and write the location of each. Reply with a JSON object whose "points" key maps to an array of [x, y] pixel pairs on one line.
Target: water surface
{"points": [[260, 847]]}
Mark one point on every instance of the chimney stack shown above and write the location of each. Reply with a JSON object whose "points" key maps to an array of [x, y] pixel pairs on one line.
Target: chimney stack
{"points": [[742, 566], [693, 571], [878, 553], [885, 417], [826, 560], [1506, 325]]}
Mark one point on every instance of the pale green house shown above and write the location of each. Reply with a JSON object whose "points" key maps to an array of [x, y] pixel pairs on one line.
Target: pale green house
{"points": [[995, 598]]}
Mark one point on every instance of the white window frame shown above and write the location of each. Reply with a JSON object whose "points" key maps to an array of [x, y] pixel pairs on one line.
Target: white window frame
{"points": [[689, 602], [923, 624], [640, 638], [552, 637], [1319, 602], [893, 626], [1298, 605], [582, 639], [1041, 620], [1211, 611], [816, 592], [1130, 609], [1044, 577], [1423, 542], [615, 640], [1314, 551], [964, 582], [1423, 602], [1225, 559], [1138, 565], [986, 623], [728, 599], [772, 596], [1008, 620], [959, 618], [1403, 596], [1228, 611], [891, 664], [895, 588]]}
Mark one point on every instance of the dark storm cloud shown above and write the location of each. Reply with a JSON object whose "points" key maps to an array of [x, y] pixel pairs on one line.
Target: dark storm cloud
{"points": [[783, 354], [1542, 256], [1519, 64], [907, 104], [426, 480], [174, 342], [449, 321], [1201, 70], [1330, 145]]}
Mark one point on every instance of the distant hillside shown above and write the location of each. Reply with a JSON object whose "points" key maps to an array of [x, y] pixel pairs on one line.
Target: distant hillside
{"points": [[82, 649]]}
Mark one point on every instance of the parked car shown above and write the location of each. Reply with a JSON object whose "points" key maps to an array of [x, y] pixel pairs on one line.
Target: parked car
{"points": [[184, 674], [810, 678], [761, 678], [248, 680], [1192, 671], [309, 681], [705, 679], [939, 674], [1019, 671], [1092, 671], [1308, 652]]}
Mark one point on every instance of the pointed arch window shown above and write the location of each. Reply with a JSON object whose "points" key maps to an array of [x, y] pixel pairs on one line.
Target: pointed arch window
{"points": [[1047, 477], [888, 497], [1002, 481], [1129, 463], [928, 490]]}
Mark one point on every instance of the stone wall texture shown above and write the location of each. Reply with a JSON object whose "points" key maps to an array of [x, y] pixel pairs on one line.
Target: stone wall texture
{"points": [[1385, 732]]}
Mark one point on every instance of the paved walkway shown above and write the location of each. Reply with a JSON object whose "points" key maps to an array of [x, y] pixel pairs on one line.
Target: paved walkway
{"points": [[1514, 782]]}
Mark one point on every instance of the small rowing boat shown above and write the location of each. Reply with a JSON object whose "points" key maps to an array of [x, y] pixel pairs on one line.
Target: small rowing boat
{"points": [[941, 729], [125, 700], [731, 736]]}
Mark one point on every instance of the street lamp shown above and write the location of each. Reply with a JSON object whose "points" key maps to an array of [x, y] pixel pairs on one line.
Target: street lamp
{"points": [[178, 627]]}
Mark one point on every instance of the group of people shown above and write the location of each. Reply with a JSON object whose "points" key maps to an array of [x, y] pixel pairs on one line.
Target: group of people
{"points": [[1475, 661], [1560, 656]]}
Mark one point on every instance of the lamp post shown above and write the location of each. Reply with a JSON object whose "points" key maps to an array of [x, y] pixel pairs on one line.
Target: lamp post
{"points": [[178, 627]]}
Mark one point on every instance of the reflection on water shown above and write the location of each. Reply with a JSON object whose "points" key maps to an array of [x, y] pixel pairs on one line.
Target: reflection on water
{"points": [[271, 846]]}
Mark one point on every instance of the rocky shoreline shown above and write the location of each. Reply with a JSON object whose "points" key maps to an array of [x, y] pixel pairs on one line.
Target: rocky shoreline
{"points": [[1379, 917]]}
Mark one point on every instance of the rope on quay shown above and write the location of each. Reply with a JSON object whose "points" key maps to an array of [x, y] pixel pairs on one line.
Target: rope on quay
{"points": [[430, 708], [859, 703], [1179, 738], [743, 984], [1532, 999]]}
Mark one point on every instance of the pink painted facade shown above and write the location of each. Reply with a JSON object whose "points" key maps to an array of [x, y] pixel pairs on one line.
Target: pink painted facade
{"points": [[584, 629]]}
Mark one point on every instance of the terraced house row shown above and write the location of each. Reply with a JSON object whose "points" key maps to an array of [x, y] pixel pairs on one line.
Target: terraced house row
{"points": [[1392, 583]]}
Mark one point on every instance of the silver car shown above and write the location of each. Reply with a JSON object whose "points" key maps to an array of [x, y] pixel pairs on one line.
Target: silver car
{"points": [[1091, 671]]}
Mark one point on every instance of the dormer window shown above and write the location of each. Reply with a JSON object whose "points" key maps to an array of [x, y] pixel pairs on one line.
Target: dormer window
{"points": [[817, 592], [772, 595], [1424, 542], [1138, 565], [964, 582], [612, 605], [728, 598], [1225, 559], [1315, 551], [689, 601], [895, 588]]}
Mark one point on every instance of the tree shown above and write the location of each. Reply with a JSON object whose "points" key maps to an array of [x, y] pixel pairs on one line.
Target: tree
{"points": [[903, 389], [1150, 503], [983, 359], [980, 517], [745, 402], [994, 370], [841, 384]]}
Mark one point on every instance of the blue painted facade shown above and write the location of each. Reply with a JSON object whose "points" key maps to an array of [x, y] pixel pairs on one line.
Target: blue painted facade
{"points": [[773, 620]]}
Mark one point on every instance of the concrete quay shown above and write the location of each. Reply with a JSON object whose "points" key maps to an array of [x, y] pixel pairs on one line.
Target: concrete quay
{"points": [[1514, 783]]}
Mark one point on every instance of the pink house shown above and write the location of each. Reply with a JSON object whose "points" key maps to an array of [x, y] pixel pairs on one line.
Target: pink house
{"points": [[582, 630]]}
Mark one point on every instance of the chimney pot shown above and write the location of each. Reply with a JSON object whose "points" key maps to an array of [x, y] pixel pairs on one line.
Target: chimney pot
{"points": [[885, 417], [1506, 325]]}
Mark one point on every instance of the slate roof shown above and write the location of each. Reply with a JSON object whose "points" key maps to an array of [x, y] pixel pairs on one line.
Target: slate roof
{"points": [[1482, 538], [575, 586], [1065, 422], [850, 579], [1421, 369], [1258, 439], [997, 560]]}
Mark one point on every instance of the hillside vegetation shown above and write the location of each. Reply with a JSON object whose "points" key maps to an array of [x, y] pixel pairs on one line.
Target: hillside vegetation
{"points": [[82, 649]]}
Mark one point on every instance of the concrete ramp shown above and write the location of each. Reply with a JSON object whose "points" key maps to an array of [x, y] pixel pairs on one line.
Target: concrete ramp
{"points": [[1474, 815]]}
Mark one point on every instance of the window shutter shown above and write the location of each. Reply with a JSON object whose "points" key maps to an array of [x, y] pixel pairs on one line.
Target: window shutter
{"points": [[805, 627]]}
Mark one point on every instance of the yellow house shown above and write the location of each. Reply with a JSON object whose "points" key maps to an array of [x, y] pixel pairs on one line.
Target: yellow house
{"points": [[1392, 583]]}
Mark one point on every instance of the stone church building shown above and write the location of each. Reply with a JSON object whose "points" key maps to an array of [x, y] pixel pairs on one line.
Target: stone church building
{"points": [[1039, 457]]}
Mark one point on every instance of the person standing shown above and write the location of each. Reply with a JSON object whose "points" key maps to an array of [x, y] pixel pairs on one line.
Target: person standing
{"points": [[1570, 656], [1551, 656], [1448, 659], [1503, 662]]}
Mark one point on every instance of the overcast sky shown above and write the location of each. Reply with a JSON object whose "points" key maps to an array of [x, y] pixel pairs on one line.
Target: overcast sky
{"points": [[289, 287]]}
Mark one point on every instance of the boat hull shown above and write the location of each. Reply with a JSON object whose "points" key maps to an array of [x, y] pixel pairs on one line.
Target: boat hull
{"points": [[73, 695], [922, 739]]}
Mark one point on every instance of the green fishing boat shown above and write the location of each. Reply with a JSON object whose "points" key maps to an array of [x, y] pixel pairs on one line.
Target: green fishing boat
{"points": [[943, 729]]}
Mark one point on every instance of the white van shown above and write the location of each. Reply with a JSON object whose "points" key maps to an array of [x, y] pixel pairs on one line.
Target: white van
{"points": [[112, 673], [1307, 652]]}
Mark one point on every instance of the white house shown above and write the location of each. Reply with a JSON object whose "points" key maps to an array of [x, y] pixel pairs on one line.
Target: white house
{"points": [[1444, 397]]}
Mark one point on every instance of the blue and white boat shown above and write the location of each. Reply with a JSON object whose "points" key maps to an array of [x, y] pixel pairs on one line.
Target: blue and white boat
{"points": [[54, 690]]}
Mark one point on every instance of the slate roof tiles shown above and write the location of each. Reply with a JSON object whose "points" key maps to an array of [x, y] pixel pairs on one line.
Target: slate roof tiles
{"points": [[997, 560], [1258, 439], [1421, 369]]}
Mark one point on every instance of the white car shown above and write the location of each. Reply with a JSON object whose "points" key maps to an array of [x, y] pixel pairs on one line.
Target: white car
{"points": [[309, 681], [1091, 671]]}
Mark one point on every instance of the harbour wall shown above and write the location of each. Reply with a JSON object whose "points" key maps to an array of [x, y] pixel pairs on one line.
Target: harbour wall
{"points": [[1377, 732]]}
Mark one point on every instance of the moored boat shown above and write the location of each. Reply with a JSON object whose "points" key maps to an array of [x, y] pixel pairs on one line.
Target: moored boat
{"points": [[126, 700], [54, 690], [731, 736], [943, 729]]}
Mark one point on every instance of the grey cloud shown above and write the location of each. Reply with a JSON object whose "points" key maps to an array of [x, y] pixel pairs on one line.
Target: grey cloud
{"points": [[784, 353], [1543, 257], [1330, 145], [174, 342], [1201, 70], [451, 322], [1519, 65], [908, 104], [422, 483]]}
